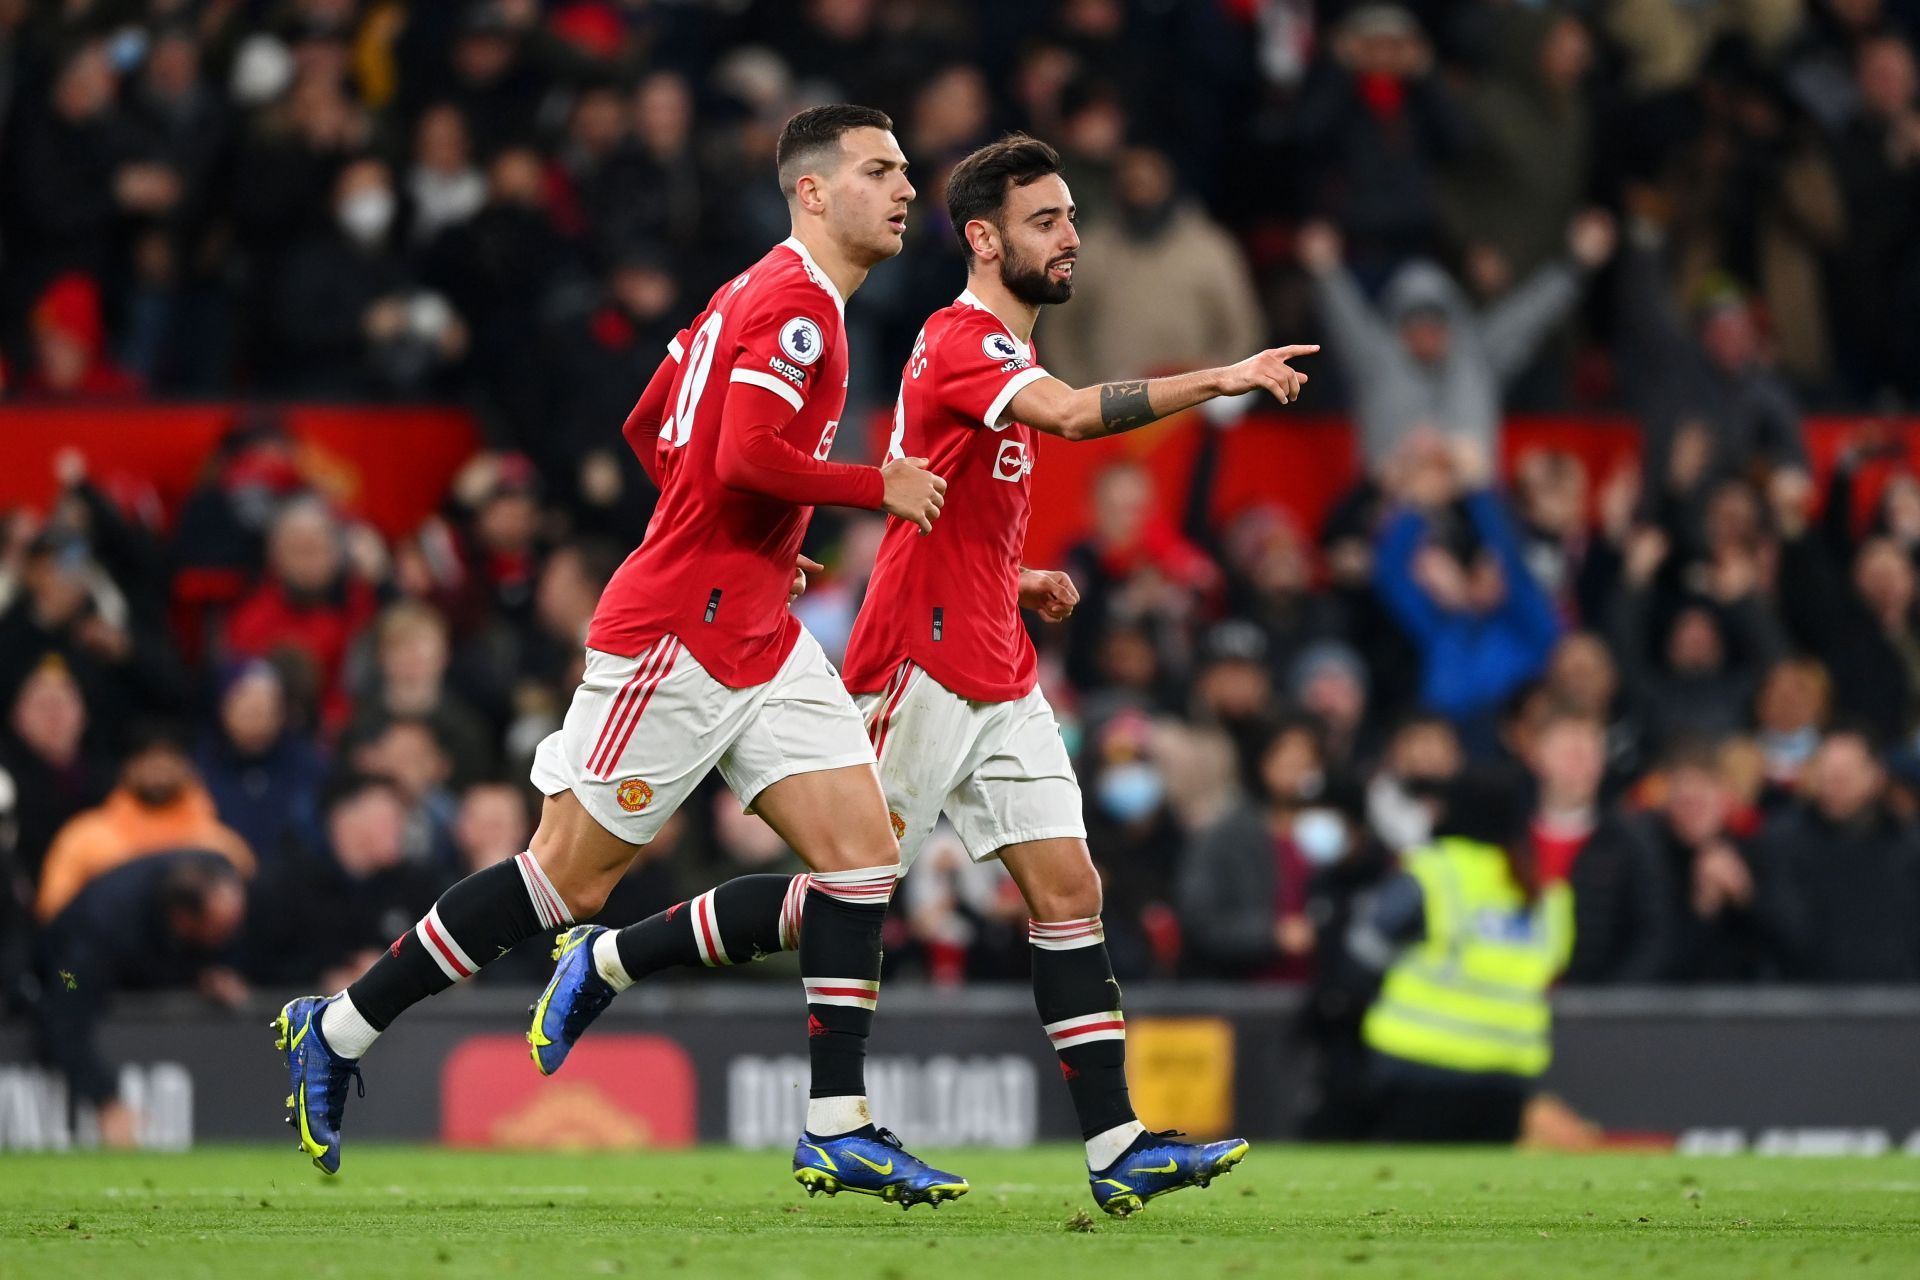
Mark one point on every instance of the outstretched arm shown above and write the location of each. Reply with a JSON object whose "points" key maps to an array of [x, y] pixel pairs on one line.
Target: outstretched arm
{"points": [[1087, 413]]}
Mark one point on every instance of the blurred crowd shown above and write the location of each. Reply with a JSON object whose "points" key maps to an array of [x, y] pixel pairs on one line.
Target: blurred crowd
{"points": [[249, 741]]}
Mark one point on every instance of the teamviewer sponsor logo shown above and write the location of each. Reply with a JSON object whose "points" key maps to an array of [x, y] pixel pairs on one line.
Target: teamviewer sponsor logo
{"points": [[1012, 462]]}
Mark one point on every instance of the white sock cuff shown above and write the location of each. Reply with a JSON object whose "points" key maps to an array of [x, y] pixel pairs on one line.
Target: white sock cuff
{"points": [[1066, 935], [1105, 1147], [345, 1029], [548, 905], [859, 885], [831, 1117], [606, 961]]}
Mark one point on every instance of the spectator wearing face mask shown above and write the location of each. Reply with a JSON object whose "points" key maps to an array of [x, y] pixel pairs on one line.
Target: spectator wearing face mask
{"points": [[1135, 843], [351, 319], [1795, 703], [1422, 756], [159, 806], [1852, 870], [1349, 866], [1732, 922], [1623, 918], [1243, 882]]}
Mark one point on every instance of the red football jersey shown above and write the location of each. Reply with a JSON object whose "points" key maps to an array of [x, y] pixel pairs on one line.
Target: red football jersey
{"points": [[717, 562], [950, 599]]}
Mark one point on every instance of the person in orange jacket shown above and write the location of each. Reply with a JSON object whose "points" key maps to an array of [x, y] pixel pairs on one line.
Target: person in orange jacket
{"points": [[159, 806]]}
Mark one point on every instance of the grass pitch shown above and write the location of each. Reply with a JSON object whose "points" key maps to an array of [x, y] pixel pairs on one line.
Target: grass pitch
{"points": [[408, 1212]]}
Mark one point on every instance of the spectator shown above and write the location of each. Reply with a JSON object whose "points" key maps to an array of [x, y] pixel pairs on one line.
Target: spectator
{"points": [[1731, 924], [411, 653], [1714, 649], [178, 129], [1340, 988], [1523, 176], [1134, 568], [1329, 682], [70, 356], [160, 923], [1243, 883], [1159, 245], [444, 187], [1623, 911], [159, 806], [310, 603], [1132, 836], [1582, 677], [44, 754], [1795, 703], [264, 775], [325, 919], [1482, 628], [1376, 123], [350, 316], [1852, 870], [1875, 296], [1712, 376], [1233, 691], [1423, 756], [1424, 359], [508, 262], [1863, 625], [404, 751]]}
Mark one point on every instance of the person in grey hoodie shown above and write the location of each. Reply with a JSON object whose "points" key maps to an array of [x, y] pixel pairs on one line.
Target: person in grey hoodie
{"points": [[1424, 357]]}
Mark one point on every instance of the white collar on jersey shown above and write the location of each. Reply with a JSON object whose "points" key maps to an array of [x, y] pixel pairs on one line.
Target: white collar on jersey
{"points": [[969, 298], [820, 277]]}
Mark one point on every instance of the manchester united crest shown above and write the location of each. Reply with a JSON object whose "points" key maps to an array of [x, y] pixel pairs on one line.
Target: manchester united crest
{"points": [[899, 825], [633, 795]]}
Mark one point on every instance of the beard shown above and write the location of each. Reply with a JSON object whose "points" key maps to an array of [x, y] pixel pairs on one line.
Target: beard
{"points": [[1028, 281]]}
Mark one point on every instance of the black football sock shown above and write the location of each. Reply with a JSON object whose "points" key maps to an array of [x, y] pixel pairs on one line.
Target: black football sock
{"points": [[1079, 1003], [840, 966], [740, 921]]}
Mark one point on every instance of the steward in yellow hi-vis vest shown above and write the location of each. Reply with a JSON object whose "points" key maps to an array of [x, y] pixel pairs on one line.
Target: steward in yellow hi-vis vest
{"points": [[1461, 1027]]}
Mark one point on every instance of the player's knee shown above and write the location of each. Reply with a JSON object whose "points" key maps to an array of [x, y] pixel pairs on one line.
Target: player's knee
{"points": [[854, 851], [1073, 894]]}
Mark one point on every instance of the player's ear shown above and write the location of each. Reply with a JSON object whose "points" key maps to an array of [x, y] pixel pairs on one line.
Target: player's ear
{"points": [[807, 193], [984, 238]]}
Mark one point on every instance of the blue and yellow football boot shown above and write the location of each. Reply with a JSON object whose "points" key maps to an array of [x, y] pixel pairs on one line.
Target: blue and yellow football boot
{"points": [[1155, 1165], [575, 996], [876, 1166], [317, 1080]]}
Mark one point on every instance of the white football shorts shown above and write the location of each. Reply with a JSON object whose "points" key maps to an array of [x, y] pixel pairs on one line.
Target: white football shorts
{"points": [[998, 769], [642, 732]]}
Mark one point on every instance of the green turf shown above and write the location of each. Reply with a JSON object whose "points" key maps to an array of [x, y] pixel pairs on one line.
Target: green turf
{"points": [[405, 1212]]}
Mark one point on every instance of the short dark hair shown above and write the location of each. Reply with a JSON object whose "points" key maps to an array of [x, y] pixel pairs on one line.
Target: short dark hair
{"points": [[812, 133], [978, 186]]}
